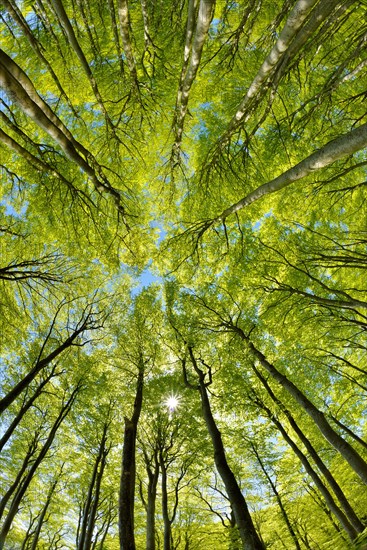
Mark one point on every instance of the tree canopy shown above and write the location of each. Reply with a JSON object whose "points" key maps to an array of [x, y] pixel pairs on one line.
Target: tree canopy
{"points": [[183, 274]]}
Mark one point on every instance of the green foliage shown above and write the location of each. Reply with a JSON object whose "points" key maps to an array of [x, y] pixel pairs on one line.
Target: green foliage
{"points": [[116, 169]]}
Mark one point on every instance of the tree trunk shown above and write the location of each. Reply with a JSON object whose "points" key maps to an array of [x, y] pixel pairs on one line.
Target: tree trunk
{"points": [[286, 38], [278, 498], [42, 515], [127, 481], [343, 501], [24, 408], [343, 146], [349, 529], [196, 44], [249, 536], [166, 519], [346, 450], [13, 509], [19, 87], [41, 364], [26, 462], [92, 500], [151, 501], [123, 13], [95, 503]]}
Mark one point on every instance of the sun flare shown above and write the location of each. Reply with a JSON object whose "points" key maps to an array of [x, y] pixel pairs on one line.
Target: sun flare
{"points": [[172, 402]]}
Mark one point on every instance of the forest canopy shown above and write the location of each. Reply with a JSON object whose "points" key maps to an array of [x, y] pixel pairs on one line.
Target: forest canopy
{"points": [[183, 298]]}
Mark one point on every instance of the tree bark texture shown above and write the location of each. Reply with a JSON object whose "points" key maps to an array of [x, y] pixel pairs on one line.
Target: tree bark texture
{"points": [[127, 480], [249, 536], [345, 449]]}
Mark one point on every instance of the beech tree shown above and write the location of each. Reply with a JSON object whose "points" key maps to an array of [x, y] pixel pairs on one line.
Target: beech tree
{"points": [[182, 274]]}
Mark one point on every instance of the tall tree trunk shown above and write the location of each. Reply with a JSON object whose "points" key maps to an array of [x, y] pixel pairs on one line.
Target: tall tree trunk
{"points": [[123, 13], [32, 447], [249, 536], [278, 498], [42, 515], [346, 450], [167, 532], [19, 87], [343, 501], [153, 475], [195, 47], [95, 503], [85, 324], [92, 500], [14, 506], [24, 408], [349, 529], [286, 38], [343, 146], [127, 481]]}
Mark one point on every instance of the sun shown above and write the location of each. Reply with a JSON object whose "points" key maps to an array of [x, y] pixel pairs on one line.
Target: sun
{"points": [[172, 402]]}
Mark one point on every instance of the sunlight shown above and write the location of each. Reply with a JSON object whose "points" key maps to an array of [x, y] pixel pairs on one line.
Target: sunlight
{"points": [[172, 402]]}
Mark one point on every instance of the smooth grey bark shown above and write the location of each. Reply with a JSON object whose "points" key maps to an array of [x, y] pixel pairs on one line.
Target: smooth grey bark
{"points": [[69, 31], [345, 449], [36, 46], [128, 469], [292, 25], [317, 16], [292, 38], [249, 536], [192, 56], [123, 13], [342, 146], [343, 501], [9, 67], [31, 450], [349, 529], [19, 87]]}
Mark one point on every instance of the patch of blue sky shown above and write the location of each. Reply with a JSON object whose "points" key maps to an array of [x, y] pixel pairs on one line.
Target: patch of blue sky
{"points": [[299, 226], [3, 106], [11, 211], [97, 122], [50, 97], [214, 27], [31, 18], [200, 130], [144, 280], [256, 226], [161, 232]]}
